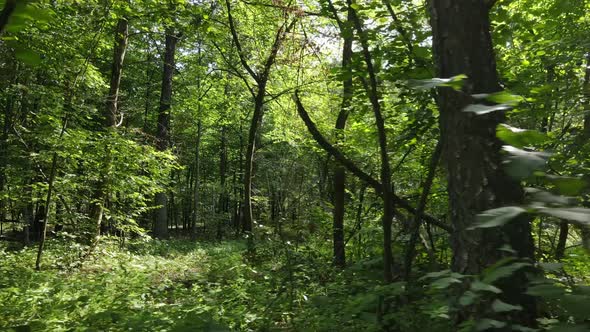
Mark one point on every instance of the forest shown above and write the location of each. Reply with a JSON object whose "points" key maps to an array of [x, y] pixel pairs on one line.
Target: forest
{"points": [[295, 165]]}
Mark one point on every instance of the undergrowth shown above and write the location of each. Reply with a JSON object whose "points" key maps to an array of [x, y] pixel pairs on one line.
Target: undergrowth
{"points": [[180, 285]]}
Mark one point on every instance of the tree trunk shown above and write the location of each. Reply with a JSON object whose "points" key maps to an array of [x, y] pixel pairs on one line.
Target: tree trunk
{"points": [[339, 179], [223, 204], [386, 187], [163, 135], [109, 122], [476, 180], [250, 149], [9, 7], [196, 179]]}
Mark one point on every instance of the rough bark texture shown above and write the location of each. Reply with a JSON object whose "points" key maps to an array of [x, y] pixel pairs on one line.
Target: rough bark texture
{"points": [[476, 180], [163, 135]]}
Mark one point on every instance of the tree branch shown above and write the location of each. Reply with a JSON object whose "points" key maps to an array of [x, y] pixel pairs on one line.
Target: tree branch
{"points": [[342, 159], [236, 39]]}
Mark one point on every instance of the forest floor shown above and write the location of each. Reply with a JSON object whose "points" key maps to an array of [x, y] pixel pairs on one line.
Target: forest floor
{"points": [[179, 285]]}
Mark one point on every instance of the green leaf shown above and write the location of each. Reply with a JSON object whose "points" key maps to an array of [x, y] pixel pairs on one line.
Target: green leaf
{"points": [[569, 328], [502, 97], [519, 137], [27, 56], [497, 217], [500, 306], [577, 214], [521, 164], [445, 282], [551, 267], [576, 305], [498, 273], [480, 109], [486, 324], [546, 290], [468, 298], [567, 185], [480, 286], [545, 197]]}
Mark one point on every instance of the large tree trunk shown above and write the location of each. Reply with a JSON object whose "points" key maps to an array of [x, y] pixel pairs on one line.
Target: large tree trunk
{"points": [[163, 135], [476, 180]]}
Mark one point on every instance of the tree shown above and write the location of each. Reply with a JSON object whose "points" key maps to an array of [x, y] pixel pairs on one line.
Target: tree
{"points": [[261, 78], [161, 222], [476, 179], [339, 177], [109, 122]]}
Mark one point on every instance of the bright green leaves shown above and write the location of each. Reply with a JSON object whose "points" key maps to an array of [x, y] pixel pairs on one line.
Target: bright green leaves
{"points": [[29, 13]]}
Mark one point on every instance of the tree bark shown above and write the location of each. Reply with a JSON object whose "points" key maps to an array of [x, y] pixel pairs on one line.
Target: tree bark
{"points": [[162, 133], [476, 181]]}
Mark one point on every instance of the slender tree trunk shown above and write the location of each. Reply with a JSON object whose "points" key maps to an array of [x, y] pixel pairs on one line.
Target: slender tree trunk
{"points": [[196, 186], [249, 165], [415, 227], [476, 180], [584, 229], [109, 121], [562, 240], [46, 210], [223, 196], [3, 152], [163, 135], [339, 179], [386, 187], [261, 78]]}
